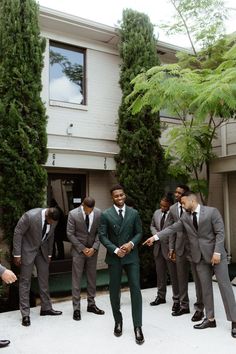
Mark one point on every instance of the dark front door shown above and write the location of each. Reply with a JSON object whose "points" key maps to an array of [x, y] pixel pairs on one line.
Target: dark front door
{"points": [[67, 190]]}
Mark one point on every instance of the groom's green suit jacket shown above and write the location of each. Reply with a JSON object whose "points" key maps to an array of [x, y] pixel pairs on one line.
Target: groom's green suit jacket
{"points": [[114, 233]]}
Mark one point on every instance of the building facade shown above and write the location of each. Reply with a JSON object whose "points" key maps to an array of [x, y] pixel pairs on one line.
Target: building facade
{"points": [[82, 95]]}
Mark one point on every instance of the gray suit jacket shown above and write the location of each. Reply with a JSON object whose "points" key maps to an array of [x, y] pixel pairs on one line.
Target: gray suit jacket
{"points": [[155, 227], [2, 269], [208, 239], [179, 241], [27, 240], [77, 231]]}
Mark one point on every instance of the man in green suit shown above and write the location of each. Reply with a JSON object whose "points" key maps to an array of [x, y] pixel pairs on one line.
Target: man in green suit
{"points": [[120, 232]]}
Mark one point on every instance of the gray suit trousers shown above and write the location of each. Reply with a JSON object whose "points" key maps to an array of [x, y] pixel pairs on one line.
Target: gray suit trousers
{"points": [[82, 264], [198, 306], [221, 272], [42, 267], [162, 265]]}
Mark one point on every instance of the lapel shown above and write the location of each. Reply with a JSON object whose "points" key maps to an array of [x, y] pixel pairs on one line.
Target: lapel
{"points": [[158, 218], [38, 225], [202, 216], [81, 220], [115, 219], [93, 226], [126, 218], [114, 215], [188, 217]]}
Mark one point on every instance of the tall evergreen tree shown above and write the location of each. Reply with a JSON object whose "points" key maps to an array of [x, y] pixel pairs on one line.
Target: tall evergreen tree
{"points": [[141, 167], [23, 120]]}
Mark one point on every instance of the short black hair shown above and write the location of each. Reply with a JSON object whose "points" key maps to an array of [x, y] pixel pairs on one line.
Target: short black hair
{"points": [[116, 187], [168, 197], [53, 214], [184, 187], [89, 202], [188, 193]]}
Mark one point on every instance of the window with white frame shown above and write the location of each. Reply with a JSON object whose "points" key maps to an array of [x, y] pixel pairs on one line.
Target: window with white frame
{"points": [[67, 73]]}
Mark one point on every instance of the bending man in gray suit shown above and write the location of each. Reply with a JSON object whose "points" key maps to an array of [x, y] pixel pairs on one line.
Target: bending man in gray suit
{"points": [[8, 277], [32, 245], [205, 229], [82, 231]]}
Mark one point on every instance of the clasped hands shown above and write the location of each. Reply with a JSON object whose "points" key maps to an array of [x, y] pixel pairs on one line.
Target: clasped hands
{"points": [[88, 252], [124, 249]]}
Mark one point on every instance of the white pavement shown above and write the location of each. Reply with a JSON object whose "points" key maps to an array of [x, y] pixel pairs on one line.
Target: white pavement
{"points": [[164, 334]]}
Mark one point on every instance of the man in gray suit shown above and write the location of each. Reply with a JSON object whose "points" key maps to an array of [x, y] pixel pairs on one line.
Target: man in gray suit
{"points": [[32, 245], [179, 246], [82, 231], [205, 229], [8, 277], [160, 220]]}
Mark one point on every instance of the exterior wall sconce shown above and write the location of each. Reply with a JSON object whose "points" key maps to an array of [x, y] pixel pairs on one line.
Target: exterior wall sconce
{"points": [[69, 129]]}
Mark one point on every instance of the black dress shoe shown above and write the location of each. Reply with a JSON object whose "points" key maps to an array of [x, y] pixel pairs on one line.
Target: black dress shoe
{"points": [[118, 329], [176, 307], [182, 311], [205, 324], [233, 331], [138, 335], [77, 315], [198, 316], [26, 321], [158, 301], [4, 343], [50, 312], [95, 310]]}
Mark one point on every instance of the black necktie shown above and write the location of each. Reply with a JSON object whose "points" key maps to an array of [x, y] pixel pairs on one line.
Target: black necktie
{"points": [[120, 214], [195, 224], [44, 228], [163, 219], [87, 221], [181, 210]]}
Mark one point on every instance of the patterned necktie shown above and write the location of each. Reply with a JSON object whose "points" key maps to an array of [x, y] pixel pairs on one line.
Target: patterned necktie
{"points": [[195, 224], [87, 221], [163, 219], [120, 214]]}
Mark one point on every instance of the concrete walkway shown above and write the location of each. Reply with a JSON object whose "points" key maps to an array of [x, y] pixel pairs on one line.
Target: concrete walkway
{"points": [[164, 334]]}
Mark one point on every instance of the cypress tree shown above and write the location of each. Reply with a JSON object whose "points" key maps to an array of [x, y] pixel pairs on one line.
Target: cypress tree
{"points": [[141, 167], [23, 138]]}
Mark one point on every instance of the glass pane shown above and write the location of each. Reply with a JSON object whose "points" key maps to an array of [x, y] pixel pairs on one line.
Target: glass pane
{"points": [[66, 74]]}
